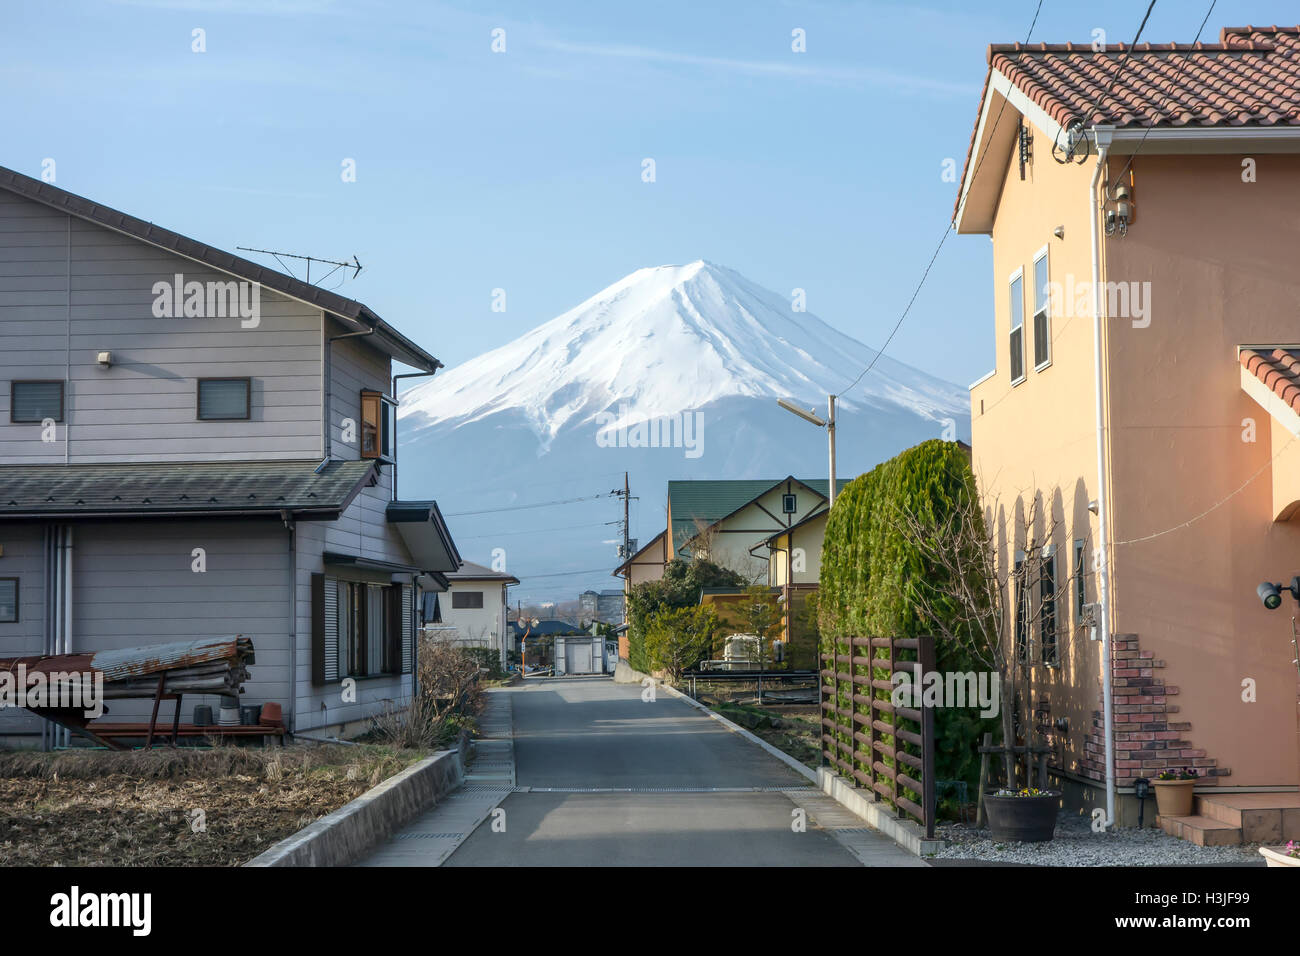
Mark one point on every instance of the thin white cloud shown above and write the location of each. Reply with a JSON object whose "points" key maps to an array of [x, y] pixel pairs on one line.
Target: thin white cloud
{"points": [[776, 68]]}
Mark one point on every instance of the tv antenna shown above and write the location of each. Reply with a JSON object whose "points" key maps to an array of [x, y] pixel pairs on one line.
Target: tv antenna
{"points": [[354, 265]]}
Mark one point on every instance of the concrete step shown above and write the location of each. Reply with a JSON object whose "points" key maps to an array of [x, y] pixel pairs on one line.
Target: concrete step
{"points": [[1261, 817], [1201, 830]]}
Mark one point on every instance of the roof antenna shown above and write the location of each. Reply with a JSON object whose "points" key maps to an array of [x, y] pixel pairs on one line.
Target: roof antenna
{"points": [[355, 264]]}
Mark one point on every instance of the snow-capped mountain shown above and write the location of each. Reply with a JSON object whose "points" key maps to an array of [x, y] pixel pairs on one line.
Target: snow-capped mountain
{"points": [[663, 340], [548, 416]]}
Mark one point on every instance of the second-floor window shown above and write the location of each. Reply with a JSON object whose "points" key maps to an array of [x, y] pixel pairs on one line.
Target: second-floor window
{"points": [[35, 401], [378, 426], [224, 399], [1017, 343], [1042, 316], [467, 599]]}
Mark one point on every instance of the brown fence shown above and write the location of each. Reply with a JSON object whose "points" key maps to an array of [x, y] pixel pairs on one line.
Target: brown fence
{"points": [[887, 749]]}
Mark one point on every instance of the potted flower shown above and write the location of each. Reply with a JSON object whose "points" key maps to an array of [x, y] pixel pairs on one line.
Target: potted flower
{"points": [[1027, 815], [1288, 855], [1174, 792]]}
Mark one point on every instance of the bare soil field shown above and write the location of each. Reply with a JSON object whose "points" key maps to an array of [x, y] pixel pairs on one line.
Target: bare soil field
{"points": [[185, 807]]}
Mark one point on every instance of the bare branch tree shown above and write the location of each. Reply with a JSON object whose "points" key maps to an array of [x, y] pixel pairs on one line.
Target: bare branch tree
{"points": [[999, 602]]}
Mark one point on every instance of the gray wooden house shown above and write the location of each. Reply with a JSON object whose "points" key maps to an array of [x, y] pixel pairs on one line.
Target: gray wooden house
{"points": [[194, 445]]}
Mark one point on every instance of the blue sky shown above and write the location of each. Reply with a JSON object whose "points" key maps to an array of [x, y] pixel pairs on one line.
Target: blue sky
{"points": [[522, 170]]}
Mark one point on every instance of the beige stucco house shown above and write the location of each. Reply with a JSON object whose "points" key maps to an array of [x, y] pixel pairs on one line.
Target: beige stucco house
{"points": [[475, 604], [1158, 433]]}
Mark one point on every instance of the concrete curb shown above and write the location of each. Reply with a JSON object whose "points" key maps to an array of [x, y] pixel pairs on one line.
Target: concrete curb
{"points": [[903, 832], [351, 831], [734, 727]]}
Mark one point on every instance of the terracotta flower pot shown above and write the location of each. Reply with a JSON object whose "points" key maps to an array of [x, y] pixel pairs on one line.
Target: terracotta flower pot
{"points": [[1277, 856], [1022, 819], [1174, 797]]}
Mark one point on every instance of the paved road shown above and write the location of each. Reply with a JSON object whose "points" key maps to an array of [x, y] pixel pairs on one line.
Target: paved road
{"points": [[604, 778]]}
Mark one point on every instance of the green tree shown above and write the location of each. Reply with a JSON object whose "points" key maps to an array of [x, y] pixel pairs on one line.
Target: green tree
{"points": [[679, 638], [680, 586]]}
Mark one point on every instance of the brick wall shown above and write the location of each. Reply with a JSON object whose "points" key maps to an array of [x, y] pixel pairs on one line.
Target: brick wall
{"points": [[1148, 736]]}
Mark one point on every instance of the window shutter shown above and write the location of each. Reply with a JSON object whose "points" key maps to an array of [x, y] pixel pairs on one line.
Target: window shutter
{"points": [[408, 628], [324, 629], [332, 652], [318, 629]]}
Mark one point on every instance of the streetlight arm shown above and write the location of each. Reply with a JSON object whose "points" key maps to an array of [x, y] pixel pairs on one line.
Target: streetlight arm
{"points": [[806, 414]]}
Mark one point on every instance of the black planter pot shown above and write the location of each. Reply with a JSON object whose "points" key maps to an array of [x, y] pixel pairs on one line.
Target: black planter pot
{"points": [[1022, 819]]}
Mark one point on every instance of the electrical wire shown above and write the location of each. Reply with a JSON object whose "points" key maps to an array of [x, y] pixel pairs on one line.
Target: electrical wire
{"points": [[942, 239], [539, 504], [1151, 126]]}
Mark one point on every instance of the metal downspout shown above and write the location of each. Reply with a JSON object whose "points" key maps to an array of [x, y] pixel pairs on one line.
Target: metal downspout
{"points": [[1103, 582]]}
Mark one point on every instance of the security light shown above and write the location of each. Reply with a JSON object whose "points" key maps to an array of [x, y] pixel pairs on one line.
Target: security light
{"points": [[1270, 595]]}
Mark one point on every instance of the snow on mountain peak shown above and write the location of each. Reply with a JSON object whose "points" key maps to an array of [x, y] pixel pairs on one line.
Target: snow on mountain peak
{"points": [[664, 340]]}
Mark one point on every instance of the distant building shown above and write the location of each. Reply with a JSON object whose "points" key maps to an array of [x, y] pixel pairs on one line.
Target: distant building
{"points": [[475, 604], [604, 606]]}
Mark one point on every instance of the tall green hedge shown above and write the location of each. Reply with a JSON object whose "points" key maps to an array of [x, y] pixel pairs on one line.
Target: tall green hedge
{"points": [[871, 574]]}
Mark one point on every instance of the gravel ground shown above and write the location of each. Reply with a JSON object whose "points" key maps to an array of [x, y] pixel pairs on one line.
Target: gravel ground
{"points": [[1076, 845]]}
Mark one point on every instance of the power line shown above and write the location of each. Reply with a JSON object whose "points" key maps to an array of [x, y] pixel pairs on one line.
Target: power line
{"points": [[1151, 125], [504, 534], [539, 504], [944, 238], [564, 574]]}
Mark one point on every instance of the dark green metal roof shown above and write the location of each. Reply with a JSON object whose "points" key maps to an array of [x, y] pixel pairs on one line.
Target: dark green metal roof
{"points": [[162, 489], [707, 501]]}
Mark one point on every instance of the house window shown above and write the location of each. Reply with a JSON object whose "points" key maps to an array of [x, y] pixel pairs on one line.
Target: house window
{"points": [[1042, 317], [1022, 608], [366, 633], [224, 399], [466, 599], [788, 504], [1017, 343], [378, 425], [1047, 610], [8, 600], [35, 401], [1080, 593], [360, 629]]}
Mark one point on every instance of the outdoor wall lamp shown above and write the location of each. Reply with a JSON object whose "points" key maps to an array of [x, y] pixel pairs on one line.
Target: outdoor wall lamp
{"points": [[1141, 790], [1270, 595]]}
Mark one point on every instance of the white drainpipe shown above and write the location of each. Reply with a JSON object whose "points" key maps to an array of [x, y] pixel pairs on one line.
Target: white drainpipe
{"points": [[1103, 585]]}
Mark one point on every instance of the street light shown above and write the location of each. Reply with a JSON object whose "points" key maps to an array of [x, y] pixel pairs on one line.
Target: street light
{"points": [[808, 415]]}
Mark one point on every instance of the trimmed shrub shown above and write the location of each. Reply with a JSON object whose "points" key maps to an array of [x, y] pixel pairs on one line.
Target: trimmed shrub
{"points": [[871, 575]]}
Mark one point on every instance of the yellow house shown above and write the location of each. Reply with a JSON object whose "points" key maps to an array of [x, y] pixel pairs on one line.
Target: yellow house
{"points": [[794, 568], [1156, 430]]}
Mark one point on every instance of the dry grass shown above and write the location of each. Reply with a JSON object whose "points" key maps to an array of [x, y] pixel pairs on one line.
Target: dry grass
{"points": [[96, 808]]}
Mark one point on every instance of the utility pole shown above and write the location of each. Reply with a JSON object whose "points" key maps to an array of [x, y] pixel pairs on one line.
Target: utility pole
{"points": [[830, 430], [626, 494]]}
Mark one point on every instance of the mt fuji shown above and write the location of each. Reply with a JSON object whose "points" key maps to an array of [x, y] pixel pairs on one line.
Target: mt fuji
{"points": [[671, 372]]}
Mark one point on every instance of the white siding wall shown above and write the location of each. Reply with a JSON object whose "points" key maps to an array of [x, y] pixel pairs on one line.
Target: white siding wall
{"points": [[69, 289], [23, 560], [483, 626]]}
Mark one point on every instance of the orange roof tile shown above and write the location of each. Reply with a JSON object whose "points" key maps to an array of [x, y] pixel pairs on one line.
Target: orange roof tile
{"points": [[1279, 370], [1251, 77]]}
